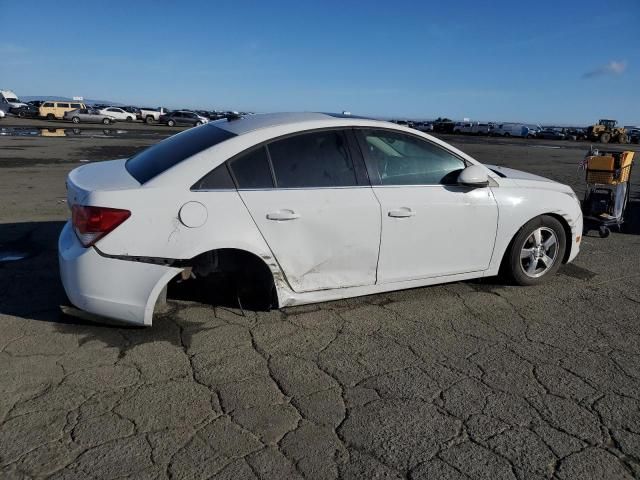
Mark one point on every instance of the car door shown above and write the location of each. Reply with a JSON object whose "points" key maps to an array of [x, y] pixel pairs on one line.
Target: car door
{"points": [[310, 198], [431, 226], [191, 118]]}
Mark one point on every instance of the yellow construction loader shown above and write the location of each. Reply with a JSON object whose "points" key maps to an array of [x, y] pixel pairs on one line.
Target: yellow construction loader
{"points": [[607, 131]]}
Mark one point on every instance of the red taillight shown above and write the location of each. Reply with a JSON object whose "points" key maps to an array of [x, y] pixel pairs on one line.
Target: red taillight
{"points": [[93, 223]]}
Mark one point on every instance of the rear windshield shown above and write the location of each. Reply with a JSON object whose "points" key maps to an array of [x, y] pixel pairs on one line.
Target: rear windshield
{"points": [[162, 156]]}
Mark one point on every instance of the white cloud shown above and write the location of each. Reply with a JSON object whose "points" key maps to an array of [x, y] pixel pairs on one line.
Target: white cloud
{"points": [[614, 67]]}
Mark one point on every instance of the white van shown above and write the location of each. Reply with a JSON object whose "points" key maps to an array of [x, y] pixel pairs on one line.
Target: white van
{"points": [[9, 100], [513, 130]]}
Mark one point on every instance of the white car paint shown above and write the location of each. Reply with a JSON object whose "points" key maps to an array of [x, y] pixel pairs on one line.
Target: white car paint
{"points": [[118, 113], [341, 242]]}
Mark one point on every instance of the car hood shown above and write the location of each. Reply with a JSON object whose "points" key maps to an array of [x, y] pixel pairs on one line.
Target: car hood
{"points": [[525, 179]]}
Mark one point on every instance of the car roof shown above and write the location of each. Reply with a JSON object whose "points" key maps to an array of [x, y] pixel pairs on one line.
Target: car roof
{"points": [[249, 123]]}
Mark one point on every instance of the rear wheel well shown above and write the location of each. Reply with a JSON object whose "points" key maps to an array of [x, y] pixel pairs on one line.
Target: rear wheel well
{"points": [[233, 276]]}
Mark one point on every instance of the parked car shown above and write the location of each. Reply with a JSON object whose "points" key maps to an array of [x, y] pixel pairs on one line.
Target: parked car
{"points": [[26, 111], [183, 117], [88, 115], [150, 115], [9, 100], [512, 130], [550, 134], [480, 129], [634, 135], [443, 125], [289, 207], [52, 110], [573, 133], [462, 127], [118, 113], [424, 126], [2, 114]]}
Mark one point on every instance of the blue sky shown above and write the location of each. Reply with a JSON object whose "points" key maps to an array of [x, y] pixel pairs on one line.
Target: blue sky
{"points": [[539, 61]]}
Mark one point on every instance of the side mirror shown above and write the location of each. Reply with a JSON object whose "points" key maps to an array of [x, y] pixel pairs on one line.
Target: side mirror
{"points": [[474, 176]]}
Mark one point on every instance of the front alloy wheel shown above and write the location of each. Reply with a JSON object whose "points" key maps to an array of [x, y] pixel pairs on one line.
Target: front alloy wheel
{"points": [[539, 252], [536, 251]]}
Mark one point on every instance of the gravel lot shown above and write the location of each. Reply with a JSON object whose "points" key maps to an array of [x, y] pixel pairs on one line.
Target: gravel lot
{"points": [[467, 380]]}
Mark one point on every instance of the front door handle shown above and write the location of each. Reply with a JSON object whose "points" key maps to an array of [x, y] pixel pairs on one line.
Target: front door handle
{"points": [[403, 212], [282, 215]]}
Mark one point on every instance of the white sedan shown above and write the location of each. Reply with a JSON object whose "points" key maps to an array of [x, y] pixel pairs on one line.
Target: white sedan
{"points": [[302, 208], [118, 114]]}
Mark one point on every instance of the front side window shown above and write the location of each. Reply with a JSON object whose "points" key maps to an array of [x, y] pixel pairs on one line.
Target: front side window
{"points": [[63, 105], [48, 105], [317, 159], [76, 105], [400, 159]]}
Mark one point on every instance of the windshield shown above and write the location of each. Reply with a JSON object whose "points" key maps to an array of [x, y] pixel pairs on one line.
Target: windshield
{"points": [[12, 100], [162, 156]]}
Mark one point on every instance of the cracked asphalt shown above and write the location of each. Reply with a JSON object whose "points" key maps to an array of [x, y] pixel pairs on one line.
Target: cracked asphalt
{"points": [[471, 380]]}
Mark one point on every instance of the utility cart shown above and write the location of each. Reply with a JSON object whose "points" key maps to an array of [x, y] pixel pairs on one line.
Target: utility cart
{"points": [[608, 188]]}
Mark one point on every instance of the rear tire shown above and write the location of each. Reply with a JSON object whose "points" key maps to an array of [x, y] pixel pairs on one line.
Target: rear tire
{"points": [[198, 123], [536, 251], [106, 121], [129, 119], [149, 119], [75, 120], [51, 116], [622, 138], [171, 123], [605, 137], [507, 134]]}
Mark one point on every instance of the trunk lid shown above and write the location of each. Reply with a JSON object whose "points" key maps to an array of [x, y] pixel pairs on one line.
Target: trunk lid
{"points": [[103, 176]]}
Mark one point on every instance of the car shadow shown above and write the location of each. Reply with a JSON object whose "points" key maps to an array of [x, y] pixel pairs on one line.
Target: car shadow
{"points": [[31, 291], [30, 285]]}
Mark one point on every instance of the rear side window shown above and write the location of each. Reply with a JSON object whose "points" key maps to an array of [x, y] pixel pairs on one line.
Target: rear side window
{"points": [[218, 179], [63, 105], [318, 159], [251, 170], [162, 156], [75, 105]]}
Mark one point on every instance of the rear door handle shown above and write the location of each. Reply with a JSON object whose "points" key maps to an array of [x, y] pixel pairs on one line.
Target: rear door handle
{"points": [[282, 215], [403, 212]]}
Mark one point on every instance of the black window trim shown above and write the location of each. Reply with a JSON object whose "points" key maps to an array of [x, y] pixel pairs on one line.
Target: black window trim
{"points": [[374, 175], [360, 168]]}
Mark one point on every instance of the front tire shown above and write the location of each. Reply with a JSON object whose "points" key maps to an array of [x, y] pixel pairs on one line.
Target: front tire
{"points": [[129, 119], [106, 121], [605, 137], [537, 251], [75, 120], [171, 123]]}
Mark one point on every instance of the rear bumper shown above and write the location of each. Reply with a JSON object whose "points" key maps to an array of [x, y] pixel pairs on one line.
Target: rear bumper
{"points": [[118, 289]]}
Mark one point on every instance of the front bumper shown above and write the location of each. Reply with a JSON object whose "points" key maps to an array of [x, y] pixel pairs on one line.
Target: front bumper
{"points": [[573, 243], [118, 289]]}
